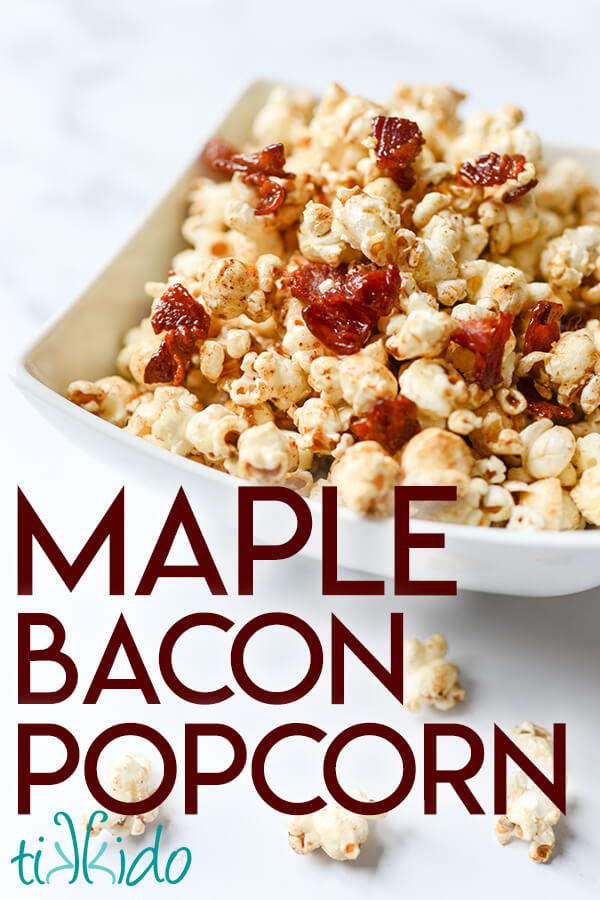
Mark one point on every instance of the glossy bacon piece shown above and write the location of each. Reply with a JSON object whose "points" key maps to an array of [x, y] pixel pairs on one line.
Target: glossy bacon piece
{"points": [[305, 280], [519, 191], [358, 299], [538, 406], [339, 325], [486, 338], [257, 168], [492, 169], [373, 290], [543, 329], [398, 143], [391, 422], [185, 322], [272, 194]]}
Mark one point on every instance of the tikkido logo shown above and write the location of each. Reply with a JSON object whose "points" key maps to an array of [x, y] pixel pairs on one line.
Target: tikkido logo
{"points": [[83, 862]]}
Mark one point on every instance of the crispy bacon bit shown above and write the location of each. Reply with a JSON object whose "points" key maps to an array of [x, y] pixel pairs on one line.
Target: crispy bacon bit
{"points": [[519, 191], [185, 322], [492, 169], [391, 422], [272, 194], [543, 329], [357, 299], [398, 143], [374, 290], [216, 151], [338, 324], [305, 280], [486, 338], [576, 319], [544, 409], [257, 168]]}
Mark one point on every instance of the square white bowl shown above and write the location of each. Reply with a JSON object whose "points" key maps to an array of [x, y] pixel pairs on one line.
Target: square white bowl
{"points": [[82, 341]]}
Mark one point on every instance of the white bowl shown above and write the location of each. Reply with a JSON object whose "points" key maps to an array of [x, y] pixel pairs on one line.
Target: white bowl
{"points": [[82, 341]]}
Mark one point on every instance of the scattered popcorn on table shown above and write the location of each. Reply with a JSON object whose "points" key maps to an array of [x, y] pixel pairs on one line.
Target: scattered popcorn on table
{"points": [[340, 833], [530, 815], [380, 294], [429, 679], [126, 779]]}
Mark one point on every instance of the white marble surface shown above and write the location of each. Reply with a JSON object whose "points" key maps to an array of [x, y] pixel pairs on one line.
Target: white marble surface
{"points": [[102, 103]]}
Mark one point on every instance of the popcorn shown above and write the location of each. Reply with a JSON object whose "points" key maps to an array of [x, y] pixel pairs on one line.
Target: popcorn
{"points": [[571, 257], [238, 343], [363, 381], [140, 344], [317, 239], [547, 450], [111, 398], [212, 359], [429, 679], [435, 448], [318, 424], [530, 815], [435, 386], [340, 278], [284, 117], [586, 495], [214, 431], [265, 454], [162, 418], [339, 833], [127, 779], [231, 288], [368, 224], [571, 363], [424, 333], [543, 506], [365, 477], [269, 376]]}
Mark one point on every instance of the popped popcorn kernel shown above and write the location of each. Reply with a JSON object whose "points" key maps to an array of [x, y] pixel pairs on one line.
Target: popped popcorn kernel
{"points": [[530, 815], [429, 679], [338, 832], [127, 779]]}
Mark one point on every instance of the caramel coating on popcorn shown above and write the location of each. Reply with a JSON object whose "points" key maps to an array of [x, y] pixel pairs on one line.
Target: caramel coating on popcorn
{"points": [[429, 679], [269, 393], [126, 779]]}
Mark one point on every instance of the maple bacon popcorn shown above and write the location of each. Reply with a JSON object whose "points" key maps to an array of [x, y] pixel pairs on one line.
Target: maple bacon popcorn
{"points": [[381, 294]]}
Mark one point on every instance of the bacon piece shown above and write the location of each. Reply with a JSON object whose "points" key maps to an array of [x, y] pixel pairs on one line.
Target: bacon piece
{"points": [[391, 422], [538, 406], [257, 168], [486, 338], [492, 169], [358, 298], [398, 143], [519, 191], [373, 290], [305, 280], [543, 329], [272, 194], [185, 322], [338, 324]]}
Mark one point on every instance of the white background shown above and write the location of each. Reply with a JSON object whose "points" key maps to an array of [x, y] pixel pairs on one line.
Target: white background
{"points": [[102, 104]]}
